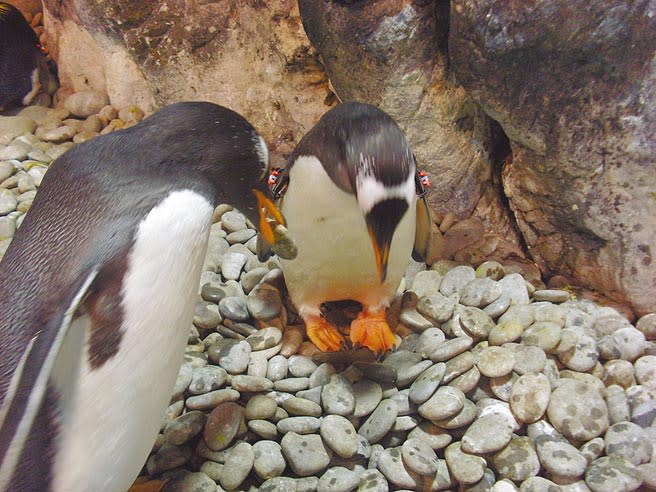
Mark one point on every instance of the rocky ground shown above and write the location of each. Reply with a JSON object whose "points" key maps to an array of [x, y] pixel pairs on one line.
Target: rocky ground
{"points": [[498, 384]]}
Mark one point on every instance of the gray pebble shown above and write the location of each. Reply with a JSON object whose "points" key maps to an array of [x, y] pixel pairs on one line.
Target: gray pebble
{"points": [[299, 425], [458, 365], [8, 201], [577, 410], [408, 373], [582, 355], [184, 427], [592, 449], [428, 341], [277, 368], [462, 419], [279, 484], [450, 348], [292, 385], [627, 440], [543, 334], [269, 461], [551, 295], [436, 308], [495, 361], [339, 479], [257, 366], [302, 406], [240, 236], [368, 395], [412, 319], [612, 474], [498, 307], [426, 283], [234, 359], [617, 403], [373, 481], [182, 382], [301, 366], [260, 407], [238, 464], [646, 324], [559, 457], [264, 429], [528, 358], [419, 457], [517, 461], [425, 385], [339, 435], [465, 468], [322, 375], [252, 277], [250, 384], [390, 463], [480, 292], [538, 484], [645, 371], [434, 436], [306, 455], [445, 403], [234, 308], [456, 278], [265, 338], [529, 397], [476, 322], [626, 343], [264, 302], [205, 379], [167, 457], [514, 286], [379, 422], [487, 434], [337, 396]]}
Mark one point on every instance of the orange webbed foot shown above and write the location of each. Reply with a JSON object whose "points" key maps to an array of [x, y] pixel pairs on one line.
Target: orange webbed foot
{"points": [[324, 335], [371, 330]]}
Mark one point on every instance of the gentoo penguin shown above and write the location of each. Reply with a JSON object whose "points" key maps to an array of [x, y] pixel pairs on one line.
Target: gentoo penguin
{"points": [[349, 193], [20, 57], [98, 289]]}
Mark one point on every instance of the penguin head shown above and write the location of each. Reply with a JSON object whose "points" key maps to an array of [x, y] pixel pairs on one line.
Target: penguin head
{"points": [[382, 172], [225, 149]]}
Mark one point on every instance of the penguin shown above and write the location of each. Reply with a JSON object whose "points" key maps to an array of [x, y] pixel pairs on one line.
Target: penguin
{"points": [[98, 290], [355, 206], [20, 58]]}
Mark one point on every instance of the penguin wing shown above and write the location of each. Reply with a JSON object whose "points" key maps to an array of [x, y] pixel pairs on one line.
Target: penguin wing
{"points": [[424, 225], [29, 382]]}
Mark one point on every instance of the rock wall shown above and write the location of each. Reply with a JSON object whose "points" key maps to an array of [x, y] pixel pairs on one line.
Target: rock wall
{"points": [[534, 117]]}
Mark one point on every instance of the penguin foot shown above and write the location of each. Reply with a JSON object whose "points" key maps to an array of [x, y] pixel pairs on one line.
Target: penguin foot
{"points": [[371, 330], [142, 484], [324, 335]]}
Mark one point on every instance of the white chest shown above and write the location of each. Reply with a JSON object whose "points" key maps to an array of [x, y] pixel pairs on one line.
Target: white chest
{"points": [[335, 256], [114, 411]]}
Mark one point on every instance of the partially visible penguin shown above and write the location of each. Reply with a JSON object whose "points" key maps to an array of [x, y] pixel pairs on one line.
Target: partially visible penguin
{"points": [[98, 290], [20, 58], [354, 204]]}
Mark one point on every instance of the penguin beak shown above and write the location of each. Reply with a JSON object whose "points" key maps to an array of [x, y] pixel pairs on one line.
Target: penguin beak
{"points": [[268, 210], [381, 252]]}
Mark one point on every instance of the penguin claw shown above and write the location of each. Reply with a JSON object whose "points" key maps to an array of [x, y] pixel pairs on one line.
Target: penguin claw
{"points": [[371, 330], [322, 334]]}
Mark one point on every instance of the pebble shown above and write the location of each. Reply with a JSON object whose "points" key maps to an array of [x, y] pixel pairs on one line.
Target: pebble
{"points": [[626, 343], [543, 334], [426, 283], [265, 338], [627, 440], [577, 410], [251, 384], [559, 457], [306, 455], [495, 361], [85, 103], [264, 302], [530, 396], [339, 479], [426, 383], [445, 403], [518, 460], [480, 292], [505, 331], [337, 396], [8, 201], [167, 457], [368, 394], [190, 482], [419, 457], [487, 434], [436, 308], [238, 464], [528, 358], [582, 355], [645, 371], [269, 461], [539, 484], [551, 295], [390, 463], [373, 481], [612, 474], [465, 468], [379, 422], [451, 348], [263, 428], [456, 278], [299, 425], [234, 308], [222, 425]]}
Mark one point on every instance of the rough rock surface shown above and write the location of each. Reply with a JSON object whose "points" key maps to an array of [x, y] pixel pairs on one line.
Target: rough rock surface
{"points": [[250, 56], [573, 84]]}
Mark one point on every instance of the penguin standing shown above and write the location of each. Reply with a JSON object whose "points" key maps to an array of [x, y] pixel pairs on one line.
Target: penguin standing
{"points": [[20, 58], [349, 193], [98, 289]]}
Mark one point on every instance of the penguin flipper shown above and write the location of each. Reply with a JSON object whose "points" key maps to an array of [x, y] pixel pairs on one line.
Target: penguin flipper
{"points": [[423, 231], [30, 381]]}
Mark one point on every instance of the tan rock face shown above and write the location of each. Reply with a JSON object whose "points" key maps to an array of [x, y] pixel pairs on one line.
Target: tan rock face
{"points": [[251, 56], [573, 86]]}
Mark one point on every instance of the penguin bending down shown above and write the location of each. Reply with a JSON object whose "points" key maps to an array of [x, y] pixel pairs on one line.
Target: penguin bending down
{"points": [[98, 290], [349, 193], [20, 58]]}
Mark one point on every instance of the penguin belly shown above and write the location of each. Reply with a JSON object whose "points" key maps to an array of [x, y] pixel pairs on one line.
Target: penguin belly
{"points": [[112, 413], [335, 258]]}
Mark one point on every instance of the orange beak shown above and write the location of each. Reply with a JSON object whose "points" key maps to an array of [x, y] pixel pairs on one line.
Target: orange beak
{"points": [[381, 253], [268, 210]]}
